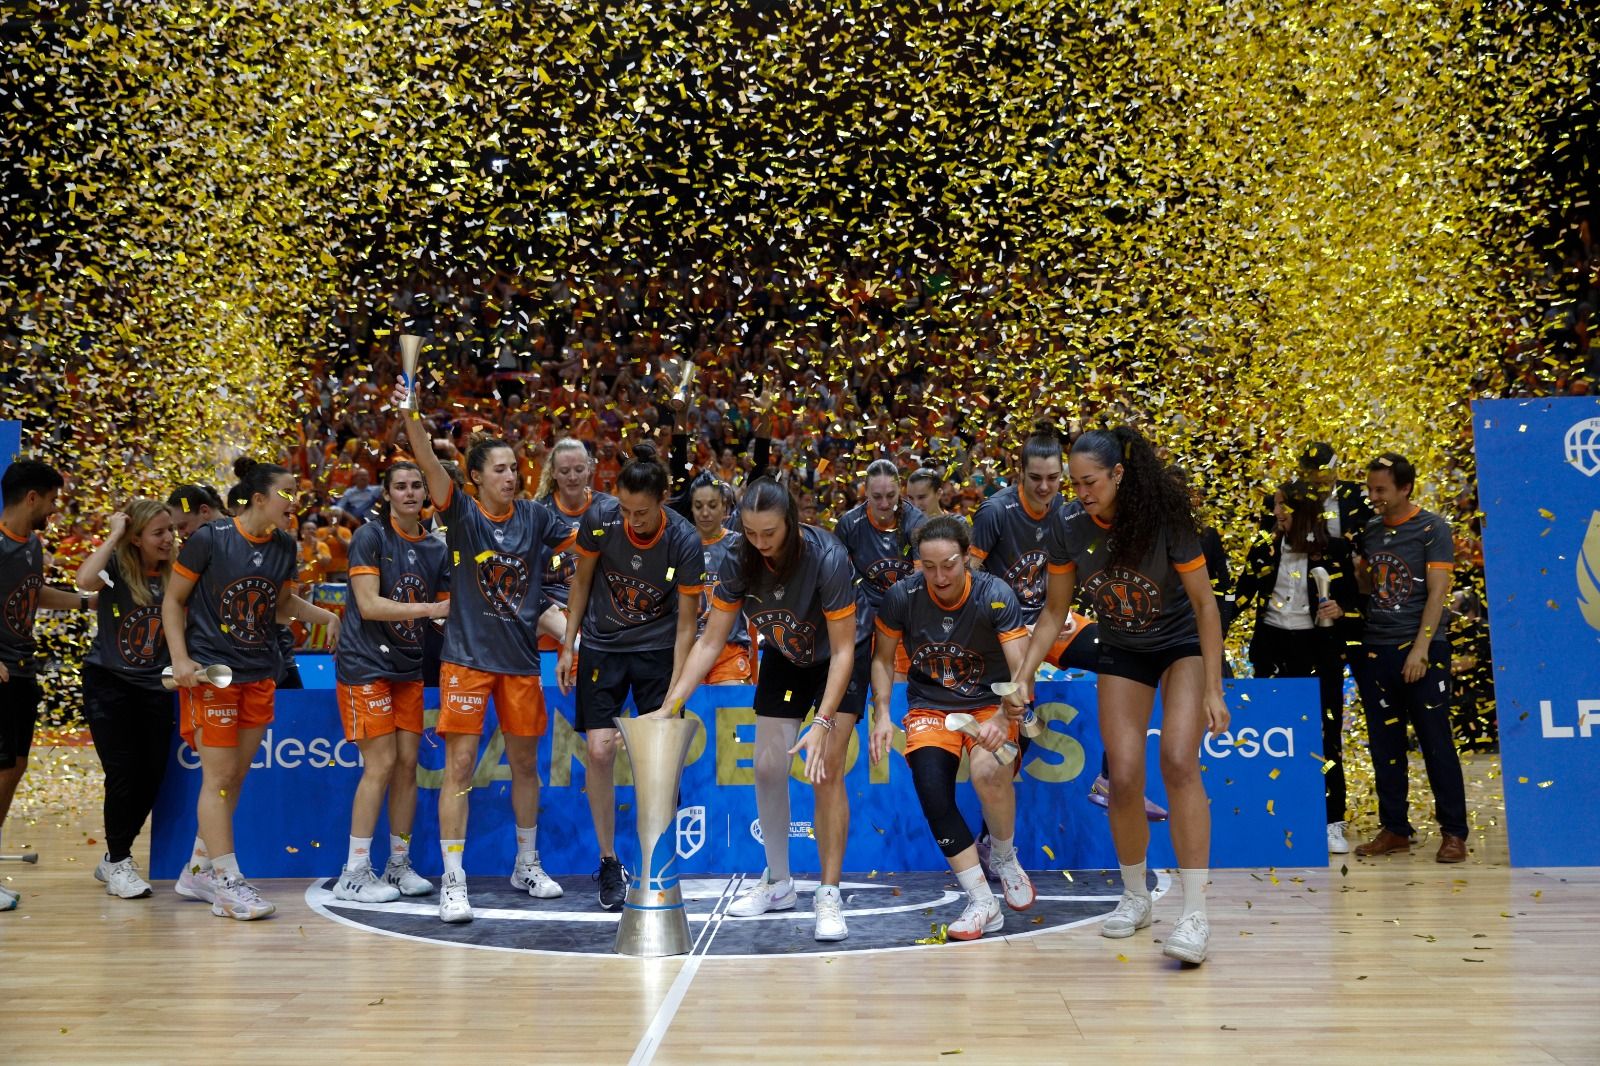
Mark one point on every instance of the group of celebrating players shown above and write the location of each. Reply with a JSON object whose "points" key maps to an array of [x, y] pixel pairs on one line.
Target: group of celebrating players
{"points": [[650, 594]]}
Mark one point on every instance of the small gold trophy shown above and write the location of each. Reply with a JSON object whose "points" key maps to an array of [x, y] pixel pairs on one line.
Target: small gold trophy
{"points": [[410, 352]]}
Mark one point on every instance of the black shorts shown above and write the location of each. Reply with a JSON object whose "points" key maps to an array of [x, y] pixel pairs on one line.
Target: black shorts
{"points": [[605, 678], [1145, 667], [19, 713], [787, 690], [855, 697], [1084, 651]]}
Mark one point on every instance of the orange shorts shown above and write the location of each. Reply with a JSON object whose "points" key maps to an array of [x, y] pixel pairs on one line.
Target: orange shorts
{"points": [[902, 661], [549, 643], [378, 708], [925, 728], [733, 667], [464, 695], [215, 715]]}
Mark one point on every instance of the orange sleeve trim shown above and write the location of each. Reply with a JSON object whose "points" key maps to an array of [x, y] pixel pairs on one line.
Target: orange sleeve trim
{"points": [[356, 571], [1062, 568], [893, 634], [184, 571], [449, 494], [568, 544], [723, 605], [1441, 566], [1191, 566], [978, 554], [690, 590], [1015, 634], [843, 612]]}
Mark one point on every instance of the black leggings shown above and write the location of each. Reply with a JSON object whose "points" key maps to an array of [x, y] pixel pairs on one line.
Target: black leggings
{"points": [[1314, 653], [132, 728], [933, 772]]}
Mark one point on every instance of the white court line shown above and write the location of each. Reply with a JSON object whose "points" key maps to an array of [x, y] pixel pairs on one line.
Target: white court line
{"points": [[650, 1042]]}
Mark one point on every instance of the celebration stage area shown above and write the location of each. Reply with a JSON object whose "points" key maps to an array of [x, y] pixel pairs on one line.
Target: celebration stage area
{"points": [[1400, 956]]}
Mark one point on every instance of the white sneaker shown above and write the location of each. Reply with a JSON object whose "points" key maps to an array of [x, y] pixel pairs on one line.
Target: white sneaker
{"points": [[764, 896], [408, 881], [1018, 886], [453, 903], [122, 878], [530, 877], [980, 917], [199, 883], [828, 906], [8, 899], [1188, 939], [237, 898], [363, 886], [1131, 915], [1337, 844]]}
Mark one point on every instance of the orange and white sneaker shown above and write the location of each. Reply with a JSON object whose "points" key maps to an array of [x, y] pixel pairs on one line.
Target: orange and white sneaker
{"points": [[1014, 879], [981, 916], [238, 899]]}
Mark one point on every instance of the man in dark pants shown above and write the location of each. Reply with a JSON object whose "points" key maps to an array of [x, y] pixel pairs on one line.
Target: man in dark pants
{"points": [[1403, 665]]}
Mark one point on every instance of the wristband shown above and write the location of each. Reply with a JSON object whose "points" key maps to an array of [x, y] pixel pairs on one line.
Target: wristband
{"points": [[83, 601], [824, 720]]}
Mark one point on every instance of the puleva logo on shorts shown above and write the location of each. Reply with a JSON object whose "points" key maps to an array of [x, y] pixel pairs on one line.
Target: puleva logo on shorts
{"points": [[1125, 599], [1026, 578], [1392, 581], [1582, 446], [636, 601], [950, 665], [139, 639], [885, 572], [797, 639], [409, 589], [248, 608], [503, 580], [22, 604]]}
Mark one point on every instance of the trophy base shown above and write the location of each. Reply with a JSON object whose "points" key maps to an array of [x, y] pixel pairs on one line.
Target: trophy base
{"points": [[654, 925]]}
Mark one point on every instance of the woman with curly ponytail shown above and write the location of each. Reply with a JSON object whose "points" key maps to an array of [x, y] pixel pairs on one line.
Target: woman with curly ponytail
{"points": [[1135, 551]]}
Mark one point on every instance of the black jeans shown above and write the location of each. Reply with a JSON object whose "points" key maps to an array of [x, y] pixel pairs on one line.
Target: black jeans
{"points": [[132, 728], [1390, 703], [1314, 653]]}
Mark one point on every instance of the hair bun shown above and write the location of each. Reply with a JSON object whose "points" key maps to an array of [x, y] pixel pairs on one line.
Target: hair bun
{"points": [[242, 467], [646, 453], [1043, 427]]}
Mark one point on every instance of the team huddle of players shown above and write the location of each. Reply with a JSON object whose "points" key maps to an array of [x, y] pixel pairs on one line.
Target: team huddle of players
{"points": [[651, 594]]}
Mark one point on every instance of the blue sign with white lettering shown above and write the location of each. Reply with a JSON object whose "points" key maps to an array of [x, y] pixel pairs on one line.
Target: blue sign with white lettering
{"points": [[1539, 488], [1264, 780]]}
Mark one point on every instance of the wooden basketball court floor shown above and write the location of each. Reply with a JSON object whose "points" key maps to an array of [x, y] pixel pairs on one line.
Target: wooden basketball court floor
{"points": [[1395, 960]]}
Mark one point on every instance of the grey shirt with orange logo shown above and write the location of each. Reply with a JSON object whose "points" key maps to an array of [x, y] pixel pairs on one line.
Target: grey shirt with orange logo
{"points": [[234, 607], [880, 556], [21, 578], [1009, 540], [494, 588], [792, 615], [409, 570], [955, 651], [129, 640], [633, 600], [1399, 557], [1140, 608]]}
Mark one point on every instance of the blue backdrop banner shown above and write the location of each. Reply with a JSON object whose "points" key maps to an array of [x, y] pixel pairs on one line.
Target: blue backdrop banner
{"points": [[10, 442], [1264, 779], [1539, 488]]}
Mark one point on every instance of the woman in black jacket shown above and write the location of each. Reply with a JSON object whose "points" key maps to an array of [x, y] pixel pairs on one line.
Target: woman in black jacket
{"points": [[1298, 581]]}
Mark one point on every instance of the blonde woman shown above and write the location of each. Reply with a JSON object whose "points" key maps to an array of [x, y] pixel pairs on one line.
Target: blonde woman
{"points": [[131, 717]]}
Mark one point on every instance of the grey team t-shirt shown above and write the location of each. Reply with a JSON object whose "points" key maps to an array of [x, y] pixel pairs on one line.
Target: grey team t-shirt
{"points": [[234, 607], [1142, 608], [633, 600], [880, 556], [555, 573], [1399, 558], [721, 556], [128, 639], [793, 615], [955, 651], [21, 578], [494, 589], [409, 570], [1009, 540]]}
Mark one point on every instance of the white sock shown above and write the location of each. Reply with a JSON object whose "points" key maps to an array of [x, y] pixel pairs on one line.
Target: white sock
{"points": [[1194, 890], [975, 885], [399, 848], [1133, 880], [1002, 849], [527, 843], [453, 851], [360, 853], [824, 890], [200, 856], [228, 866]]}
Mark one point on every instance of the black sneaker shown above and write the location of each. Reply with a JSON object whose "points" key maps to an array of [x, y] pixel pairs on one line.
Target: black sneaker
{"points": [[613, 884]]}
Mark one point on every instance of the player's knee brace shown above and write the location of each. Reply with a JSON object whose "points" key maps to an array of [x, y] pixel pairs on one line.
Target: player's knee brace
{"points": [[933, 772]]}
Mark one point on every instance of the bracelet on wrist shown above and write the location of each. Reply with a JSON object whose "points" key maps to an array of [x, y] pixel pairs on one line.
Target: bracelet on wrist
{"points": [[823, 720]]}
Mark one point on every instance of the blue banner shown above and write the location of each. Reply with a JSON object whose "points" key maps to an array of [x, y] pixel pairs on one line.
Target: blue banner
{"points": [[10, 442], [1539, 488], [1264, 779]]}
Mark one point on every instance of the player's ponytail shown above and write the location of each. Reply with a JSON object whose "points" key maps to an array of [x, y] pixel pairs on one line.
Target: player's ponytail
{"points": [[645, 473]]}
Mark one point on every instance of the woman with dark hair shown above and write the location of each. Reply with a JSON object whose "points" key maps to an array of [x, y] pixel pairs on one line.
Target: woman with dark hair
{"points": [[1136, 552], [635, 599], [878, 533], [397, 576], [965, 633], [711, 501], [795, 582], [243, 571], [491, 648], [1295, 608], [923, 486], [130, 714]]}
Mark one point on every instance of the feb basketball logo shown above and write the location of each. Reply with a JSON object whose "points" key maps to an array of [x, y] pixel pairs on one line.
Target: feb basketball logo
{"points": [[1582, 446], [248, 608]]}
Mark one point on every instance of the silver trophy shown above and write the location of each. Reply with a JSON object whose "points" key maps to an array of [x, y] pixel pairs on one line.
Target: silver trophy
{"points": [[1032, 725], [410, 354], [654, 922], [218, 676], [967, 724]]}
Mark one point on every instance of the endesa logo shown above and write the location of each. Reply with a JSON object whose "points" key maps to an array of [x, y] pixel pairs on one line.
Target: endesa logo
{"points": [[1248, 743], [290, 753]]}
